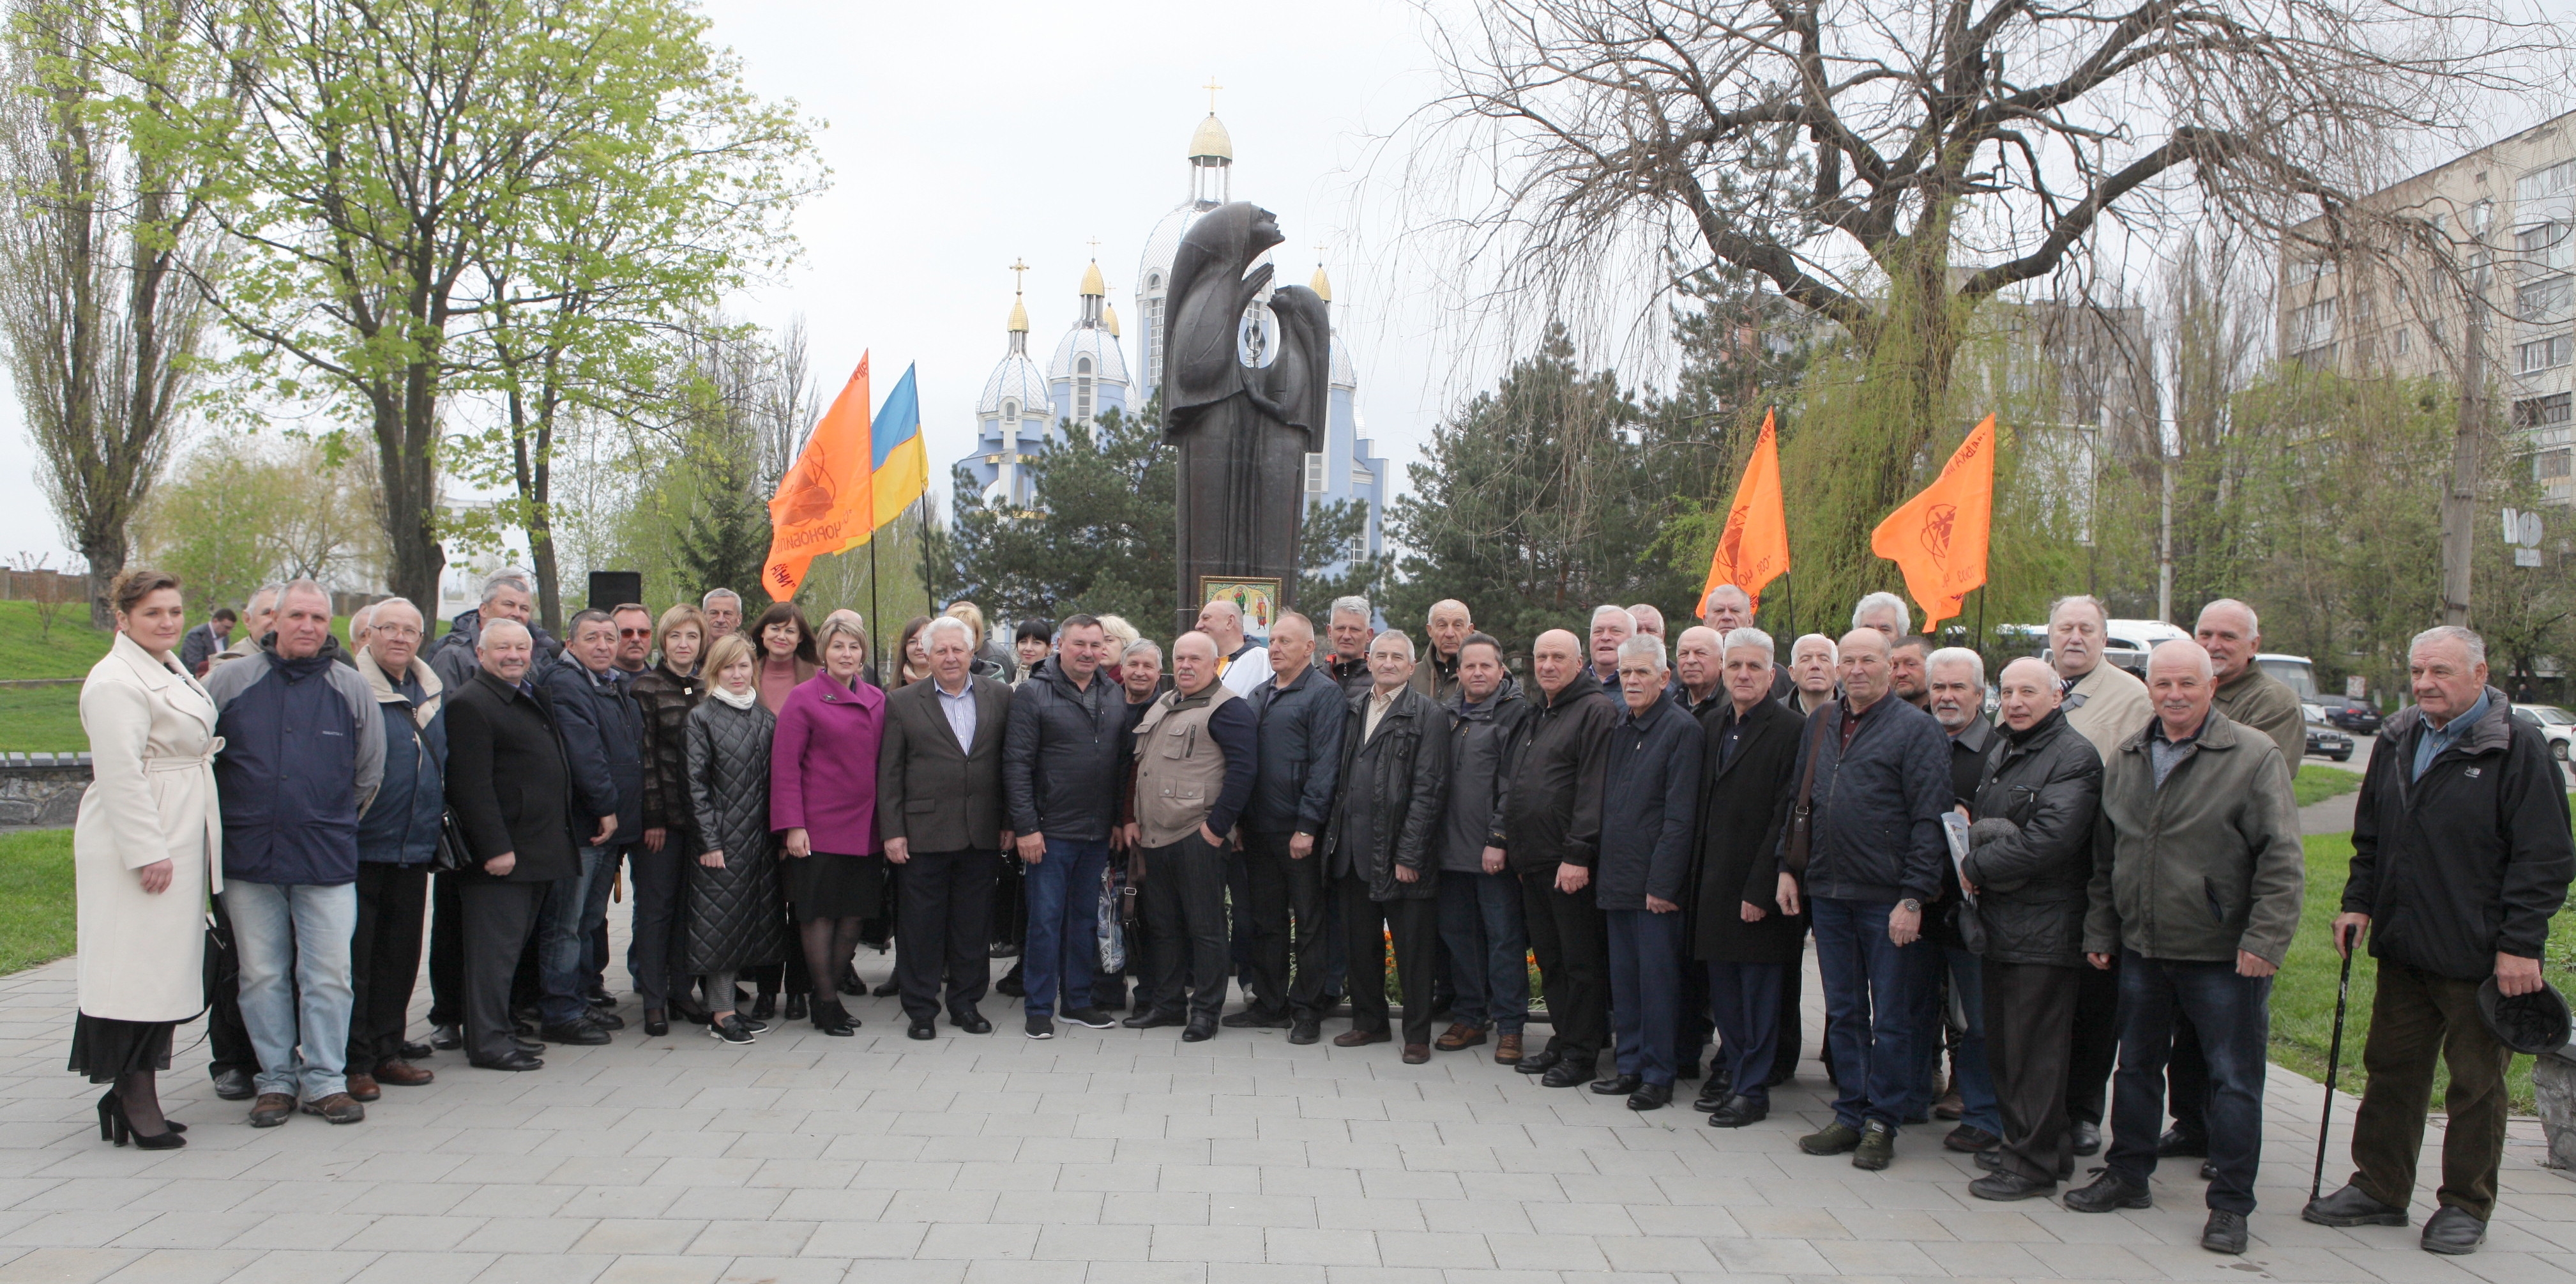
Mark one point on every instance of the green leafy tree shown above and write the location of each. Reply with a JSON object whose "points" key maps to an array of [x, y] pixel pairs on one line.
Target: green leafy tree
{"points": [[1100, 541]]}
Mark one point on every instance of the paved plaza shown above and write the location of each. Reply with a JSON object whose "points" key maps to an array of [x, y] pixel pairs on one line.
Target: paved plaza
{"points": [[1100, 1157]]}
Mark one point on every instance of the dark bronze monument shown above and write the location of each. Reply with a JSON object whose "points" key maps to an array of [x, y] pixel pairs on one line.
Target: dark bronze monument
{"points": [[1246, 387]]}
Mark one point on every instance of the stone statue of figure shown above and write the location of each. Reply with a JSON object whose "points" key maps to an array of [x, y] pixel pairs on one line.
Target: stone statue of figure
{"points": [[1244, 409]]}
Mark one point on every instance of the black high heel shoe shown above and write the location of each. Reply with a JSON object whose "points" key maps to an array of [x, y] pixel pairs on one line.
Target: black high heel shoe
{"points": [[114, 1126]]}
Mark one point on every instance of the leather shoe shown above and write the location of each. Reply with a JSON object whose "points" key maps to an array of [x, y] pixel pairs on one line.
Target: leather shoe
{"points": [[415, 1051], [1565, 1074], [2352, 1206], [2007, 1186], [1362, 1038], [525, 1044], [2088, 1137], [362, 1087], [2209, 1170], [605, 1020], [1460, 1037], [2109, 1192], [1969, 1139], [1617, 1085], [1152, 1021], [2453, 1232], [402, 1074], [1539, 1062], [271, 1109], [446, 1038], [796, 1008], [233, 1085], [1712, 1094], [1199, 1032], [2177, 1144], [655, 1023], [1248, 1019], [1507, 1050], [1306, 1030], [516, 1059], [971, 1022], [2224, 1232], [1738, 1111], [921, 1030], [582, 1033], [1416, 1053], [1651, 1096]]}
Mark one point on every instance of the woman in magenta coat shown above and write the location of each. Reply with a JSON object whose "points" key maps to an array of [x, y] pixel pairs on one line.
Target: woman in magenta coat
{"points": [[823, 797]]}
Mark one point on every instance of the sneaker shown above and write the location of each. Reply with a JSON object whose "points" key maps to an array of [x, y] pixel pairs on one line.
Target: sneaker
{"points": [[1044, 1027], [751, 1023], [339, 1108], [1832, 1139], [1089, 1018], [733, 1029], [1877, 1148]]}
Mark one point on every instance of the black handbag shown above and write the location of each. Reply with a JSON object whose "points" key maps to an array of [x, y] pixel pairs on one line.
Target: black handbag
{"points": [[452, 853], [221, 963]]}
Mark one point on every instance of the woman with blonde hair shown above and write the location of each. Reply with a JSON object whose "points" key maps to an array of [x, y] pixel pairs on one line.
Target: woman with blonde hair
{"points": [[732, 919], [822, 797], [665, 693], [147, 849]]}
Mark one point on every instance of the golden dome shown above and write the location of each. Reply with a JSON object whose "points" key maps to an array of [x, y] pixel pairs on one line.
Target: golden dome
{"points": [[1019, 315], [1109, 318], [1091, 282], [1211, 141], [1321, 285]]}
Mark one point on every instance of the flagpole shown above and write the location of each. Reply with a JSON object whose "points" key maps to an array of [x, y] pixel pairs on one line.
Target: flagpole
{"points": [[873, 625]]}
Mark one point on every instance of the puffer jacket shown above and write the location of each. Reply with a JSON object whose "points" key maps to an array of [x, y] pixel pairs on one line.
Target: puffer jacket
{"points": [[1485, 745], [664, 699], [1301, 753], [401, 826], [2204, 866], [732, 916], [2468, 860], [1876, 824], [1389, 809], [1064, 752], [603, 734], [1552, 813], [2033, 842]]}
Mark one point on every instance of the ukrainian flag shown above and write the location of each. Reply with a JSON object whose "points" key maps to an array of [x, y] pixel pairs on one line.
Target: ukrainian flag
{"points": [[898, 462]]}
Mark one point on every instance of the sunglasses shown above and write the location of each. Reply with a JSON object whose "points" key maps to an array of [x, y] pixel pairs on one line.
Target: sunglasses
{"points": [[635, 633]]}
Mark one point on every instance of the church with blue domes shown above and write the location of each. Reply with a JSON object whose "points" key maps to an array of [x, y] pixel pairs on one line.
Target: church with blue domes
{"points": [[1023, 408]]}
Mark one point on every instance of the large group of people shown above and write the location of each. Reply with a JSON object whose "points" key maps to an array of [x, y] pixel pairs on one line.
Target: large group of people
{"points": [[2047, 905]]}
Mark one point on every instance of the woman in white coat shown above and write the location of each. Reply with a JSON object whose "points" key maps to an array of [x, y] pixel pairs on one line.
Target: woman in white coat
{"points": [[147, 849]]}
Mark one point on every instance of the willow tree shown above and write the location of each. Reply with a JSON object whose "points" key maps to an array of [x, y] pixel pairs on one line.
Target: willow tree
{"points": [[1888, 167]]}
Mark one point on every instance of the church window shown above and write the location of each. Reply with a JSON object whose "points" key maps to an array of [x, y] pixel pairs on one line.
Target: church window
{"points": [[1082, 385]]}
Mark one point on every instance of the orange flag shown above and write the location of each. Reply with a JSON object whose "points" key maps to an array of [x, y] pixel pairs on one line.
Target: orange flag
{"points": [[825, 503], [1938, 538], [1754, 550]]}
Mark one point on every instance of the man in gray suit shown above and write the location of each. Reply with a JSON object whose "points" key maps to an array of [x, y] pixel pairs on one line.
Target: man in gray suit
{"points": [[939, 810]]}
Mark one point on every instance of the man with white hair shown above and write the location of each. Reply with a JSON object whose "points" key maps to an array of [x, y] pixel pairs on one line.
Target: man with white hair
{"points": [[2197, 900], [1885, 612], [1649, 806], [1749, 948], [1240, 664], [1348, 627], [1190, 776], [1380, 851], [723, 608], [1611, 625], [256, 618], [1814, 662], [2460, 857], [2106, 706], [508, 594], [304, 752], [397, 840], [1551, 834], [1954, 690], [1727, 608], [1649, 618], [358, 621], [1447, 624], [1698, 683]]}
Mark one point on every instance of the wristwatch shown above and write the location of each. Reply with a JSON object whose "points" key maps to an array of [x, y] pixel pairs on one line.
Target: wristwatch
{"points": [[1910, 905]]}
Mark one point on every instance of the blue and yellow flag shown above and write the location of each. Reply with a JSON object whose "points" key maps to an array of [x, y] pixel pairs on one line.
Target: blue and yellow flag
{"points": [[899, 463]]}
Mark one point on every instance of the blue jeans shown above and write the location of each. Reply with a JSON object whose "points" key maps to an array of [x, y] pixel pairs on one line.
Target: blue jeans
{"points": [[1480, 919], [594, 918], [293, 939], [1745, 998], [1870, 1009], [1063, 949], [1645, 990], [1976, 1083], [562, 945], [2234, 1017]]}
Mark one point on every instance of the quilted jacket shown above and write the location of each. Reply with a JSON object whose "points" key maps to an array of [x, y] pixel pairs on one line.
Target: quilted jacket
{"points": [[734, 915], [665, 697]]}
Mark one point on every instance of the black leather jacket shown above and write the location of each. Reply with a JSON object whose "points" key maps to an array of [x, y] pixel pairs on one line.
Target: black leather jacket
{"points": [[2033, 842], [1390, 806]]}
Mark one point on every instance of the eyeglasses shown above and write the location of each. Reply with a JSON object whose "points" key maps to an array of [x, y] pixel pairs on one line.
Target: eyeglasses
{"points": [[635, 633]]}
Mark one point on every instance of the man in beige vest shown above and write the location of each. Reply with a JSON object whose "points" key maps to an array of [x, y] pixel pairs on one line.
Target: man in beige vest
{"points": [[2105, 705], [1192, 772]]}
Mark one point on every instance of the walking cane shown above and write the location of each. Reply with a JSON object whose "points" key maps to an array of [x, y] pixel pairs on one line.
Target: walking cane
{"points": [[2334, 1063]]}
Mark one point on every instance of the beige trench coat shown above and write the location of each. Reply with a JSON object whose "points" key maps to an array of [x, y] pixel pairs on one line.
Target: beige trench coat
{"points": [[152, 749]]}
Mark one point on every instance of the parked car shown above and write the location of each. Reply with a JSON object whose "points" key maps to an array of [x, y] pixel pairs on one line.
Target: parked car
{"points": [[2352, 715], [2323, 740], [2555, 723]]}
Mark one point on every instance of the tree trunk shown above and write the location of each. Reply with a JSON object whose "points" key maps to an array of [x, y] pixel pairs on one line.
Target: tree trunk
{"points": [[403, 450]]}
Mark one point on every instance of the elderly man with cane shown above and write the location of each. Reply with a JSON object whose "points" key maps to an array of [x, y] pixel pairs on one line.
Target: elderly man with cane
{"points": [[2460, 855]]}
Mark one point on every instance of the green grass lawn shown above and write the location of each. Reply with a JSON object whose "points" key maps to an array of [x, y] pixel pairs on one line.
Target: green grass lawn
{"points": [[26, 651], [41, 720], [2303, 996], [35, 897], [2316, 784]]}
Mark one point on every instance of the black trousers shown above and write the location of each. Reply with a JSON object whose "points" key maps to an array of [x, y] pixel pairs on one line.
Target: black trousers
{"points": [[384, 960], [2095, 1050], [1793, 1026], [1366, 926], [655, 942], [1573, 949], [446, 952], [944, 927], [1693, 1022], [1285, 899], [498, 921], [1184, 917], [2030, 1019], [227, 1039]]}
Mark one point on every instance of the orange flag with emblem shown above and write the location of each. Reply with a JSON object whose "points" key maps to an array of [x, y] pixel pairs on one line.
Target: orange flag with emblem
{"points": [[1754, 549], [1938, 538], [826, 502]]}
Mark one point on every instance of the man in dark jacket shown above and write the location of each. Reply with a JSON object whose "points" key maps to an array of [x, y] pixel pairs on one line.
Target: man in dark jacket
{"points": [[204, 640], [1061, 762], [1551, 835], [508, 594], [1279, 887], [1875, 857], [1480, 901], [304, 752], [1649, 804], [603, 735], [1381, 848], [1348, 628], [2032, 857], [939, 810], [2460, 856], [397, 840], [1739, 929], [1445, 627], [1954, 693], [512, 793]]}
